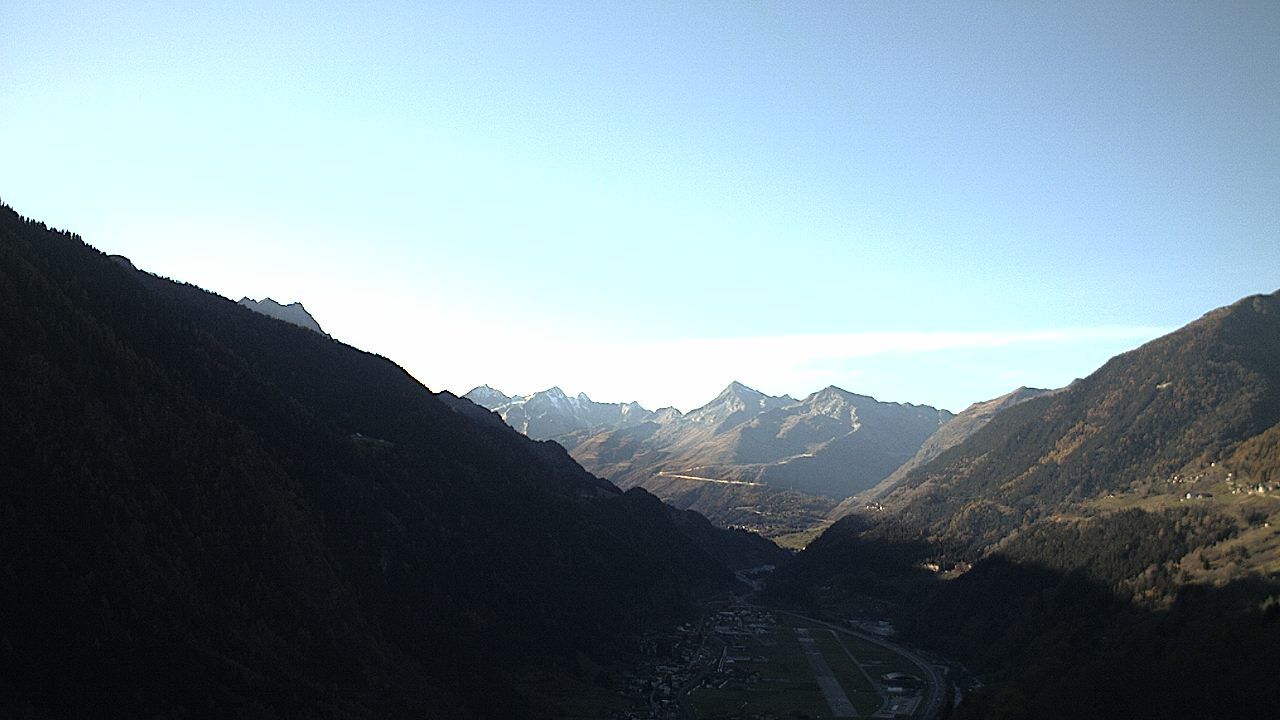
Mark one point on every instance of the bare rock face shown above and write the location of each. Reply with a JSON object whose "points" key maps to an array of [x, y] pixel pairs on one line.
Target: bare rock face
{"points": [[551, 414], [293, 313]]}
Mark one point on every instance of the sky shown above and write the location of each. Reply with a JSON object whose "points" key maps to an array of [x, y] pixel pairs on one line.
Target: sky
{"points": [[924, 202]]}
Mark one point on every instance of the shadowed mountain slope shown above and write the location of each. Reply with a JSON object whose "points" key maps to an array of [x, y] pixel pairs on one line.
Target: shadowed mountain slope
{"points": [[207, 512]]}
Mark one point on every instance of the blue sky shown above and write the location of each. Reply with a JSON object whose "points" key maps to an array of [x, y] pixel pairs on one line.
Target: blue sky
{"points": [[926, 202]]}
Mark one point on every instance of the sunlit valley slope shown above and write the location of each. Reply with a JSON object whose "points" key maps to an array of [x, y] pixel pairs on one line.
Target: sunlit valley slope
{"points": [[952, 433], [1107, 550]]}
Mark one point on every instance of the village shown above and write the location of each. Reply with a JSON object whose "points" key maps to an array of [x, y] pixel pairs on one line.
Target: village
{"points": [[695, 654]]}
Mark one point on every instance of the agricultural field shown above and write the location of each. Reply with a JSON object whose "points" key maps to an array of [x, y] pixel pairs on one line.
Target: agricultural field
{"points": [[769, 672]]}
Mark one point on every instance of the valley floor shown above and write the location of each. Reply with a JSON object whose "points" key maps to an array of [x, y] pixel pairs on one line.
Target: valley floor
{"points": [[743, 660]]}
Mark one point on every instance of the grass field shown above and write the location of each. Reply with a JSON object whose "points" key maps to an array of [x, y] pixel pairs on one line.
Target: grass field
{"points": [[1259, 543], [878, 660], [800, 540], [573, 699], [786, 684], [852, 679]]}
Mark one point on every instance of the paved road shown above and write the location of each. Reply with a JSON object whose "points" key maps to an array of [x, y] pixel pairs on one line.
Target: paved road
{"points": [[698, 478]]}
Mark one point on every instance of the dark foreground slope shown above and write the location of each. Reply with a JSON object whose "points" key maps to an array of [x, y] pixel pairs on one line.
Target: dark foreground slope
{"points": [[1111, 550], [208, 512], [1057, 627]]}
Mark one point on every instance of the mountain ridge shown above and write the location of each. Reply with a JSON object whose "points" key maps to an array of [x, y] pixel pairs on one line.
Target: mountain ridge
{"points": [[1176, 403], [950, 434], [293, 313], [551, 413], [736, 457]]}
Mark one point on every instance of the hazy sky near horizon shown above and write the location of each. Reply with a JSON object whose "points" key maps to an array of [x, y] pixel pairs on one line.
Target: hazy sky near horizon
{"points": [[925, 202]]}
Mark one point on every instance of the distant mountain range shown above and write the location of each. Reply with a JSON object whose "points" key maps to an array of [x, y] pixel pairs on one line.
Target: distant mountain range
{"points": [[732, 458], [551, 413], [292, 313], [832, 443]]}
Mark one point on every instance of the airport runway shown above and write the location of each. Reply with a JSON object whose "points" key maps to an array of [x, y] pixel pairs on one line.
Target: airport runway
{"points": [[831, 690]]}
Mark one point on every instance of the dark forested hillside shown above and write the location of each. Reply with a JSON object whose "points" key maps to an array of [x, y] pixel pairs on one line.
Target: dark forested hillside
{"points": [[208, 512]]}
